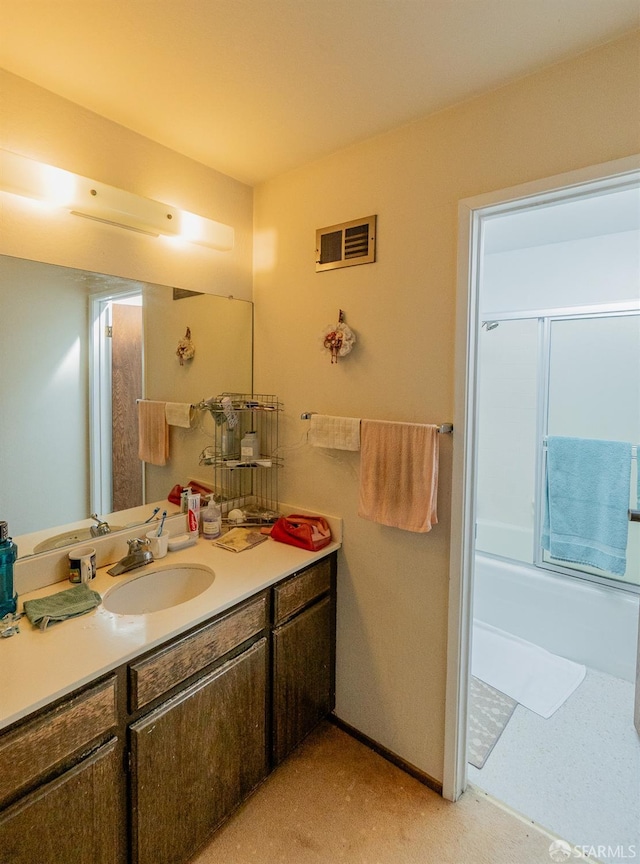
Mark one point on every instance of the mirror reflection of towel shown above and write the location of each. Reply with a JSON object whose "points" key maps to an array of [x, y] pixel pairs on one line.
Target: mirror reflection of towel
{"points": [[179, 414], [399, 474], [153, 432]]}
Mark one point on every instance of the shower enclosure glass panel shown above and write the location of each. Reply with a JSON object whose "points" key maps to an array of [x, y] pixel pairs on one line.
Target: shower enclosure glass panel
{"points": [[576, 375], [594, 392], [507, 438]]}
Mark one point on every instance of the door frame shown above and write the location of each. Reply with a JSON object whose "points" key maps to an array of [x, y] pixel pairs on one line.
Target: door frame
{"points": [[100, 405], [471, 214]]}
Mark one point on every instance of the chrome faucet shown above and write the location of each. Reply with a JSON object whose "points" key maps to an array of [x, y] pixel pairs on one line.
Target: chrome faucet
{"points": [[101, 528], [139, 554]]}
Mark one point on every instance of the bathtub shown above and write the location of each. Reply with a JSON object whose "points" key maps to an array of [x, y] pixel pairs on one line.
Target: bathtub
{"points": [[579, 620]]}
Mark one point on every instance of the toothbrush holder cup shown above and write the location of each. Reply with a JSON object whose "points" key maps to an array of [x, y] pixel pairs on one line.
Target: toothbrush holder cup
{"points": [[159, 545]]}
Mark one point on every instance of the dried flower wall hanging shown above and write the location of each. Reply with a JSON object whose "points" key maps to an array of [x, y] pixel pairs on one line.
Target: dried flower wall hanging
{"points": [[186, 348], [338, 338]]}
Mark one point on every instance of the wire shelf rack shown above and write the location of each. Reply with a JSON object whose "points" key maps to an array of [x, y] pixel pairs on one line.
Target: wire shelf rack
{"points": [[242, 483]]}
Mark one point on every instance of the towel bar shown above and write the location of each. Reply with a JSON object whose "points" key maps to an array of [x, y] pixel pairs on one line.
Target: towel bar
{"points": [[634, 448], [162, 400], [634, 515], [443, 429]]}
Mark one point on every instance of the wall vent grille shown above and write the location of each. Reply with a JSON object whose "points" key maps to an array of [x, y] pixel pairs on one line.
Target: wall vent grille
{"points": [[346, 244]]}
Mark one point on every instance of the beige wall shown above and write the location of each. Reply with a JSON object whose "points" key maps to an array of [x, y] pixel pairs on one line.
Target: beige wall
{"points": [[43, 126], [393, 585]]}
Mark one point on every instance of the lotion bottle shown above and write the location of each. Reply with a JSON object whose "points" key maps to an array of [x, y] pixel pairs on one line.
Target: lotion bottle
{"points": [[211, 520]]}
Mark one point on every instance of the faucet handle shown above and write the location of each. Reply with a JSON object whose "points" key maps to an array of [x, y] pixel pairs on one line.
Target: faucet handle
{"points": [[101, 528], [137, 544]]}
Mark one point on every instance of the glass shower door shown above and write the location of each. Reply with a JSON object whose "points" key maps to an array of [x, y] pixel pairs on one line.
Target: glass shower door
{"points": [[507, 438], [594, 392]]}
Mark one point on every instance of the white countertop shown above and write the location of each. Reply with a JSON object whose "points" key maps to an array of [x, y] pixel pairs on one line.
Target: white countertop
{"points": [[39, 666]]}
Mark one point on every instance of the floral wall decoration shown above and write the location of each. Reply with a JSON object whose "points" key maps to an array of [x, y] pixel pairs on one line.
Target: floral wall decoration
{"points": [[338, 338], [186, 348]]}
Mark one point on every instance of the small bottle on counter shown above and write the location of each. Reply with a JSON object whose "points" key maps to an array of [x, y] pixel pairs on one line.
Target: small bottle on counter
{"points": [[249, 450], [211, 520], [8, 554]]}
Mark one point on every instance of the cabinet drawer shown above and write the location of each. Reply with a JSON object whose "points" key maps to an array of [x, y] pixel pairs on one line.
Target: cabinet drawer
{"points": [[296, 593], [74, 818], [152, 677], [32, 751]]}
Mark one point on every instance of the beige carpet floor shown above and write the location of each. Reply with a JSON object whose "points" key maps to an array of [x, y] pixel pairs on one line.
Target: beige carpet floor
{"points": [[334, 800]]}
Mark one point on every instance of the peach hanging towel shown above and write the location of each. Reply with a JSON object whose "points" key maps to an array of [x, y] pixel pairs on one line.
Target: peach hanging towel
{"points": [[399, 474], [153, 432]]}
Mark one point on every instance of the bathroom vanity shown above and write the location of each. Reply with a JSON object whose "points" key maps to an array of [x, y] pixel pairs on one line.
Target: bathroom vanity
{"points": [[187, 711]]}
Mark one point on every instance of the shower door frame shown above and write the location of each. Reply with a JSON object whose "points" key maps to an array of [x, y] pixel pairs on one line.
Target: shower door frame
{"points": [[471, 215], [544, 383], [545, 319]]}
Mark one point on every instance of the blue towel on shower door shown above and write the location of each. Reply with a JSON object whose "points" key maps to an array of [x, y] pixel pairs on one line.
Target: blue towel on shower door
{"points": [[588, 487]]}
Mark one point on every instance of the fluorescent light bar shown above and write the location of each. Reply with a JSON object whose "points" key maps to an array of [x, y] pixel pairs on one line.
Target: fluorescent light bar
{"points": [[93, 200]]}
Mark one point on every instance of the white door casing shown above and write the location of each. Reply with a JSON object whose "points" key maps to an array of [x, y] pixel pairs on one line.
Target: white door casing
{"points": [[471, 213]]}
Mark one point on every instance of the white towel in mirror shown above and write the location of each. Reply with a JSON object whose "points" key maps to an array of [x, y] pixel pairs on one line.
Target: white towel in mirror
{"points": [[179, 414]]}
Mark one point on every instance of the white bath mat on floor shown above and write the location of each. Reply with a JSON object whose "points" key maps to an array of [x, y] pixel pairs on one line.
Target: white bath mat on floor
{"points": [[535, 678]]}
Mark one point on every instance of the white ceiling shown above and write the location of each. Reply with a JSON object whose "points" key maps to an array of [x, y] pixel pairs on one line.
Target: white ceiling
{"points": [[257, 87], [591, 214]]}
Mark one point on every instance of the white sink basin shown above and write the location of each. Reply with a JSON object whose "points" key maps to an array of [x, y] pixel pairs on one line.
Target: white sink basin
{"points": [[69, 538], [159, 588]]}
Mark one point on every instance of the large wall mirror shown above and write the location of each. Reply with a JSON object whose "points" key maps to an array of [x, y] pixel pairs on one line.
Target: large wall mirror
{"points": [[79, 348]]}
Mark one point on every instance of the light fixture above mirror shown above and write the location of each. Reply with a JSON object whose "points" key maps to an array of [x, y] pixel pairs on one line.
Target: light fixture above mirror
{"points": [[81, 196]]}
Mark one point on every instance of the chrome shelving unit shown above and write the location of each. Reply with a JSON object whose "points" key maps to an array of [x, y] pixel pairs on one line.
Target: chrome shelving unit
{"points": [[249, 485]]}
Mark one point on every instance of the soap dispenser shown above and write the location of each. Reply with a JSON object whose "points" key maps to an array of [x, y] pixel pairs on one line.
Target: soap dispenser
{"points": [[211, 520], [8, 554]]}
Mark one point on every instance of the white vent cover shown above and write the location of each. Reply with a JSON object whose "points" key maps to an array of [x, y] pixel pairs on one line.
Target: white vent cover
{"points": [[346, 244]]}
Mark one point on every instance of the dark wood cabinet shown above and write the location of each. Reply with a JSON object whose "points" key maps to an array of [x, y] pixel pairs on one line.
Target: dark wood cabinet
{"points": [[142, 765], [196, 757], [62, 783], [303, 655], [73, 819], [167, 667], [44, 746], [302, 689]]}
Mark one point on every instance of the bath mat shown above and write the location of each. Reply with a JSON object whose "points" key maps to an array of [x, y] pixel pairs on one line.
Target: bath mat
{"points": [[534, 677], [489, 713]]}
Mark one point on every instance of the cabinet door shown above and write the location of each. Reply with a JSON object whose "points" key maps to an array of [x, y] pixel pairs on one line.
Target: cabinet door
{"points": [[196, 757], [303, 676], [73, 819]]}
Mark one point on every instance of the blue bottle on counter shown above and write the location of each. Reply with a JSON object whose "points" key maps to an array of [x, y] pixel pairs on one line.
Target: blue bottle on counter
{"points": [[8, 554]]}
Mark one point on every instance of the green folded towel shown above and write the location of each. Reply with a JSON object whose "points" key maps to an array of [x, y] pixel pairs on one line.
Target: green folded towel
{"points": [[64, 604]]}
